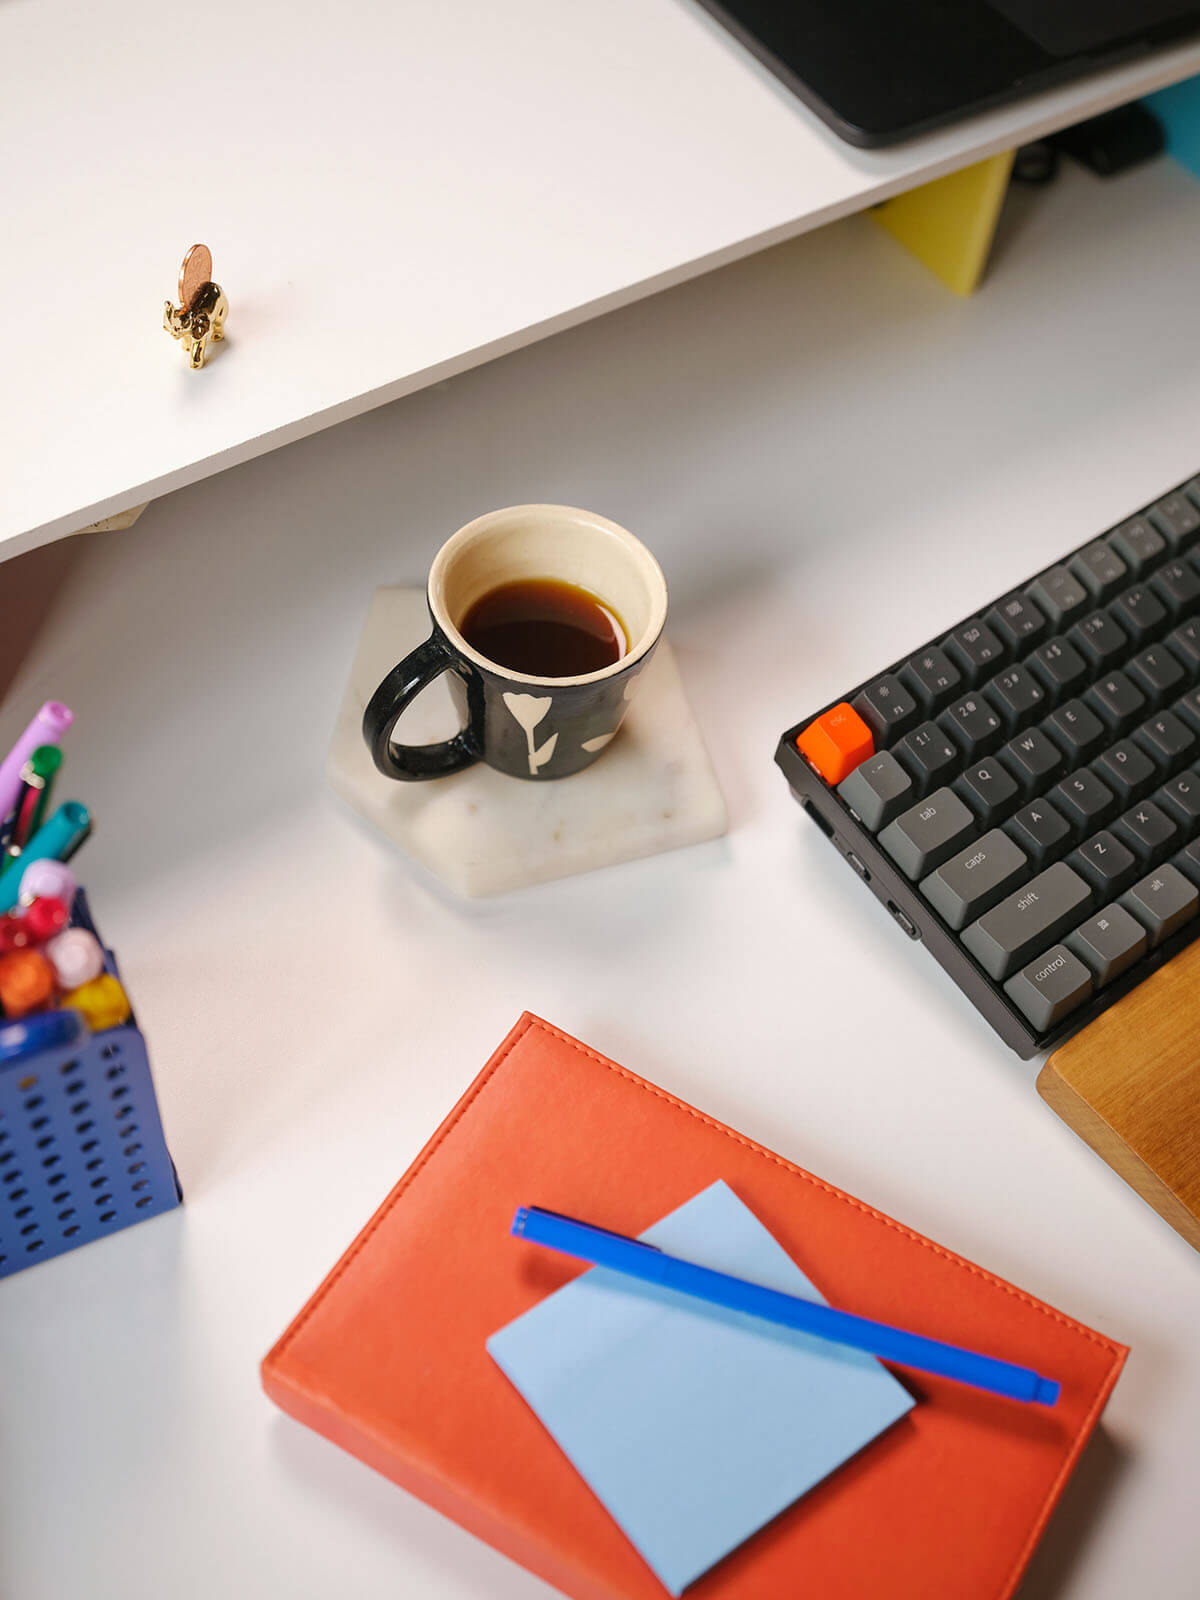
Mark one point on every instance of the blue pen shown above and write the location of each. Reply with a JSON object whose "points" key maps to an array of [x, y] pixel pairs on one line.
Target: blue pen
{"points": [[57, 839], [647, 1262]]}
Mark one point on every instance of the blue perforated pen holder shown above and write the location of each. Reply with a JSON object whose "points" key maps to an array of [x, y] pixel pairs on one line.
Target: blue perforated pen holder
{"points": [[82, 1152]]}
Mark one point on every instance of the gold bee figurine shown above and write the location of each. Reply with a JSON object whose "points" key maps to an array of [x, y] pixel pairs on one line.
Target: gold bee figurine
{"points": [[202, 309]]}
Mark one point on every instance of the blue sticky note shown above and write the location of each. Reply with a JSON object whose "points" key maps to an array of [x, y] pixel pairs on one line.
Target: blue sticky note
{"points": [[692, 1424]]}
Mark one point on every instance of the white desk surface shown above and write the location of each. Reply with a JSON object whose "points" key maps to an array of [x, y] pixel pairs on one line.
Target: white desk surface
{"points": [[392, 194], [834, 459]]}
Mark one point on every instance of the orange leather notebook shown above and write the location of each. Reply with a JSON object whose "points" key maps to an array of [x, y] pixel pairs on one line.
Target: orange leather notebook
{"points": [[387, 1359]]}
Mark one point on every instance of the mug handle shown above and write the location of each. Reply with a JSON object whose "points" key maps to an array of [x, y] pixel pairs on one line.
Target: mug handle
{"points": [[414, 762]]}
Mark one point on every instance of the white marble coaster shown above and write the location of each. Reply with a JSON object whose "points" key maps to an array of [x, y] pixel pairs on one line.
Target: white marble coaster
{"points": [[482, 833]]}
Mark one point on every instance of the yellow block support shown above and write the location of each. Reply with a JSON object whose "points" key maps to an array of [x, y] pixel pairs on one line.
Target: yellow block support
{"points": [[949, 224]]}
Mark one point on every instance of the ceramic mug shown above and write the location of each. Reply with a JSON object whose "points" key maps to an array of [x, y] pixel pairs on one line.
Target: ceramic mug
{"points": [[525, 726]]}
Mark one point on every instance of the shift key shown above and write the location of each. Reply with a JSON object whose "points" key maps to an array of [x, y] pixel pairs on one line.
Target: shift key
{"points": [[923, 836], [970, 882], [1023, 925]]}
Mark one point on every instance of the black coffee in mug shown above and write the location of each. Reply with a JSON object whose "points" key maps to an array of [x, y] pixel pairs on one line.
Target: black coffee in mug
{"points": [[545, 627]]}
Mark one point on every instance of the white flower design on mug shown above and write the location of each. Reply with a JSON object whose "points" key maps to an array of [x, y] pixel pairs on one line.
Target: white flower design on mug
{"points": [[528, 710]]}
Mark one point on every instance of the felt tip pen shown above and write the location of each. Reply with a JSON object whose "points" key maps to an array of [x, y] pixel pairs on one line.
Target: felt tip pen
{"points": [[57, 839], [651, 1265], [38, 775], [47, 727]]}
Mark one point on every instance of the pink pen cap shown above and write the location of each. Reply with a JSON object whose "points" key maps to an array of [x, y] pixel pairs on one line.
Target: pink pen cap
{"points": [[47, 727], [47, 880], [76, 957]]}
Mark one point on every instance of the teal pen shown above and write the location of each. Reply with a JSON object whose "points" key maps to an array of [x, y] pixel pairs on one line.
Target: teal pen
{"points": [[56, 839]]}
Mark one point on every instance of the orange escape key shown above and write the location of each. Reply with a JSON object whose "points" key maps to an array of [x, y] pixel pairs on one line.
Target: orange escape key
{"points": [[836, 743]]}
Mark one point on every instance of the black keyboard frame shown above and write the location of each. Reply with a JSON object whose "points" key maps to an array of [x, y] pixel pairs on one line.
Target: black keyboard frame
{"points": [[902, 897]]}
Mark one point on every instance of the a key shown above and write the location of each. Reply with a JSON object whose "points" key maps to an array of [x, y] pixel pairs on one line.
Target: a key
{"points": [[1099, 569], [1058, 667], [1058, 594], [1009, 935], [974, 724], [1100, 640], [1033, 759], [1177, 585], [877, 790], [1039, 831], [1116, 701], [1126, 769], [1050, 987], [1077, 731], [1017, 622], [1176, 518], [1184, 645], [972, 881], [974, 649], [1181, 799], [1146, 830], [925, 835], [1187, 709], [1138, 544], [1166, 741], [1141, 613], [927, 754], [887, 708], [1162, 902], [1155, 672], [1015, 694], [989, 791], [1108, 943], [1188, 862], [1105, 863], [1083, 799], [930, 676]]}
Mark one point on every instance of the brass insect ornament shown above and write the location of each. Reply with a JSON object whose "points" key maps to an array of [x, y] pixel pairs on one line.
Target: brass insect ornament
{"points": [[202, 309]]}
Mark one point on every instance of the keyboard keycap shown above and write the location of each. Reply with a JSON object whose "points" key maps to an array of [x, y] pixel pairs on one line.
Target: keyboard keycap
{"points": [[1177, 585], [1058, 594], [1105, 863], [1099, 569], [1184, 645], [926, 754], [931, 676], [1077, 731], [1039, 831], [1126, 770], [1108, 943], [1016, 695], [972, 881], [1162, 902], [1033, 759], [1050, 987], [1181, 799], [1141, 613], [1058, 667], [989, 790], [1188, 862], [1100, 640], [974, 649], [1116, 701], [1176, 518], [835, 742], [887, 708], [1009, 935], [1138, 544], [1187, 709], [1156, 672], [925, 835], [1166, 741], [974, 724], [878, 789], [1146, 830], [1017, 622], [1083, 800]]}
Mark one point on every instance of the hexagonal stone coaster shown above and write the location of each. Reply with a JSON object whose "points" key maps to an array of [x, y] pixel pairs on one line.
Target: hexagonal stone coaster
{"points": [[482, 833]]}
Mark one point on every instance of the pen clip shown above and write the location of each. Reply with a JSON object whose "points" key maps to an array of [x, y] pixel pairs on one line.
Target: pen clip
{"points": [[522, 1217]]}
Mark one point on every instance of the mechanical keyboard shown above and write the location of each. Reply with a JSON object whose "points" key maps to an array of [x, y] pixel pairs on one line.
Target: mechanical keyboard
{"points": [[1023, 793]]}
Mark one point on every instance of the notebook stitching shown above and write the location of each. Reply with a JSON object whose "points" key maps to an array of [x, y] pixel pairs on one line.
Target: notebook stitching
{"points": [[518, 1034]]}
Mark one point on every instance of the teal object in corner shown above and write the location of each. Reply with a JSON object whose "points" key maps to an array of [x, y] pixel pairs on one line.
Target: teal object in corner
{"points": [[694, 1425], [1178, 109]]}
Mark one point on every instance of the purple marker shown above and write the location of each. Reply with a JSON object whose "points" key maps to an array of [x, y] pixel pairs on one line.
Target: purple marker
{"points": [[51, 722]]}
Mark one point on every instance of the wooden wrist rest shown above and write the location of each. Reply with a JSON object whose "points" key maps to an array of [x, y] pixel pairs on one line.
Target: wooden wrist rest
{"points": [[1129, 1085]]}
